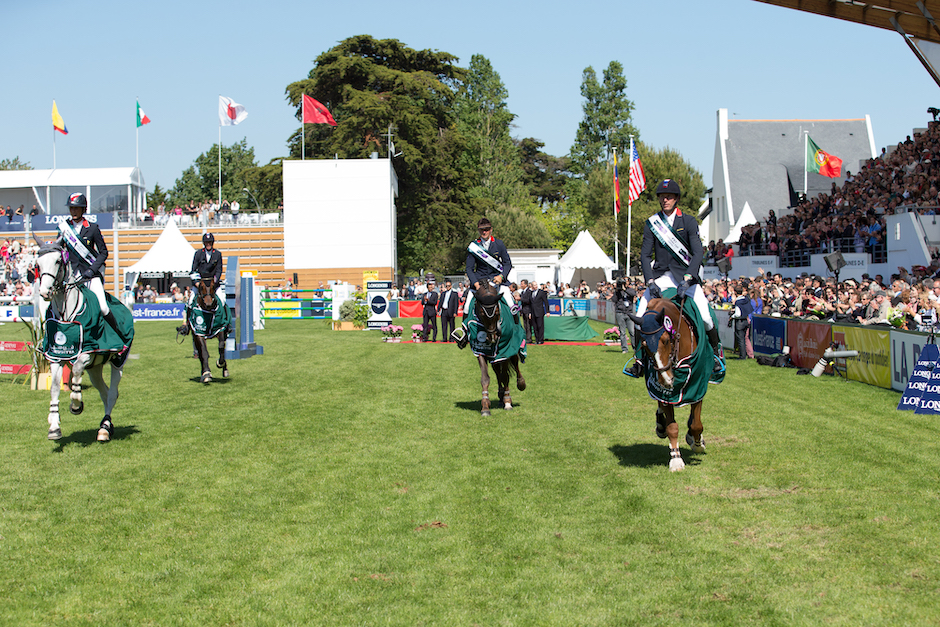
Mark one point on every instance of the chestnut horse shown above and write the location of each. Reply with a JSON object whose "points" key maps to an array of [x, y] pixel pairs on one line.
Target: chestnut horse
{"points": [[487, 305], [668, 344]]}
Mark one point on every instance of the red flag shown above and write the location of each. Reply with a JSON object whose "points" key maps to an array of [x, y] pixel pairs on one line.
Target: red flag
{"points": [[315, 113], [636, 176], [616, 188]]}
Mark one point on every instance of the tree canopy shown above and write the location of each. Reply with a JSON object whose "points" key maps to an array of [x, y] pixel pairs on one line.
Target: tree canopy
{"points": [[200, 181]]}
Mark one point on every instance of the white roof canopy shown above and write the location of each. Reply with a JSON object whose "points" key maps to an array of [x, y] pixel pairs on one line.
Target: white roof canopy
{"points": [[170, 253], [585, 255]]}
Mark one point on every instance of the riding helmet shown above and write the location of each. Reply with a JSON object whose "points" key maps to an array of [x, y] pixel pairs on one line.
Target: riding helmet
{"points": [[78, 200], [208, 238], [668, 186]]}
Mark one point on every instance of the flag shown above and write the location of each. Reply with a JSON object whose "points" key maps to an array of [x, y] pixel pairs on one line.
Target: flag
{"points": [[141, 117], [315, 113], [57, 122], [616, 188], [820, 161], [637, 178], [230, 112]]}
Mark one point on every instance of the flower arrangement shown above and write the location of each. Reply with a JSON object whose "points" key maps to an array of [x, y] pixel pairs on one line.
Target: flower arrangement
{"points": [[896, 318], [392, 330], [417, 330], [613, 333]]}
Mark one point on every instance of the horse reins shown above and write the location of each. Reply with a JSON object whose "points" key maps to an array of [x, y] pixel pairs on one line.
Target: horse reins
{"points": [[674, 335]]}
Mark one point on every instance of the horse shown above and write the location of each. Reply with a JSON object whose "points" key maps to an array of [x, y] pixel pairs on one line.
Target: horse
{"points": [[669, 346], [69, 305], [206, 320], [486, 347]]}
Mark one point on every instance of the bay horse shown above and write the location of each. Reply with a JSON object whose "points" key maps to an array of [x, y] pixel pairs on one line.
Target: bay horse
{"points": [[669, 347], [199, 319], [64, 296], [487, 307]]}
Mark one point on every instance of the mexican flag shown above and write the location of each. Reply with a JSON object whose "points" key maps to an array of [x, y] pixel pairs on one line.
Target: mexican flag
{"points": [[141, 117], [821, 162]]}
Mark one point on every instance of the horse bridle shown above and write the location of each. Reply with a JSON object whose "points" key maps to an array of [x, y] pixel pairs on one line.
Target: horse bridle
{"points": [[59, 282], [490, 312], [674, 336]]}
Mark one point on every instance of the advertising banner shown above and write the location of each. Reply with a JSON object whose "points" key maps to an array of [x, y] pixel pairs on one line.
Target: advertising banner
{"points": [[807, 341], [906, 348], [768, 335], [158, 311], [51, 223], [282, 309], [873, 364], [554, 306], [917, 383]]}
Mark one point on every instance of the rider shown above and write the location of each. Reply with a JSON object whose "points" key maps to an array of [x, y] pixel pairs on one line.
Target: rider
{"points": [[207, 262], [87, 253], [671, 256], [488, 260]]}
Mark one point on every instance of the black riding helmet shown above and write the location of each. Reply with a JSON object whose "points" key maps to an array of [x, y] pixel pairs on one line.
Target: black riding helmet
{"points": [[668, 186], [77, 200], [208, 238]]}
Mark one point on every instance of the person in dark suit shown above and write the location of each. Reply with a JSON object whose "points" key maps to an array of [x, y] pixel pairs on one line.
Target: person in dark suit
{"points": [[208, 261], [671, 257], [447, 303], [539, 309], [525, 299], [429, 303]]}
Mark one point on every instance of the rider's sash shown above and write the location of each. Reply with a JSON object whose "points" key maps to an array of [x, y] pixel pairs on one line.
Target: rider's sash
{"points": [[75, 243], [668, 238], [480, 253]]}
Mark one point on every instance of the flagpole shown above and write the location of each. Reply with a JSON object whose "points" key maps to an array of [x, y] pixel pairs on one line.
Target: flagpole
{"points": [[303, 128], [629, 207], [220, 163], [805, 148], [53, 147]]}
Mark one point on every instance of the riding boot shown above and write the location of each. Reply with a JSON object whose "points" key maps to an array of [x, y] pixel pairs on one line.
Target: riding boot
{"points": [[109, 318], [636, 370], [715, 342]]}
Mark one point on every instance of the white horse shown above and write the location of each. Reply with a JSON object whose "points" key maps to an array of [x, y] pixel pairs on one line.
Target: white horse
{"points": [[64, 295]]}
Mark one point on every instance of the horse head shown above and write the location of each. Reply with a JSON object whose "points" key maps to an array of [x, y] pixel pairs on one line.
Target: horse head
{"points": [[51, 261], [205, 292], [659, 332], [486, 304]]}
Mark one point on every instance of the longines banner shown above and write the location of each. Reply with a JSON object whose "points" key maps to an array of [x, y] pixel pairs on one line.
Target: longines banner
{"points": [[905, 353], [51, 223], [873, 364]]}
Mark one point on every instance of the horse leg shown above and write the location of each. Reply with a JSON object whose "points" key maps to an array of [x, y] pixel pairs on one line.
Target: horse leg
{"points": [[485, 384], [55, 429], [660, 422], [672, 432], [694, 435], [202, 351], [520, 382], [77, 406], [502, 378], [108, 398], [221, 363]]}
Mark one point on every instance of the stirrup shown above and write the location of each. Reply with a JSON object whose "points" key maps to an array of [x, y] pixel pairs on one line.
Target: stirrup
{"points": [[459, 336], [635, 371], [515, 309]]}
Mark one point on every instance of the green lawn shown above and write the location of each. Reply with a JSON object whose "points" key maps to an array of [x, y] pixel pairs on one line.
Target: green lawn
{"points": [[339, 480]]}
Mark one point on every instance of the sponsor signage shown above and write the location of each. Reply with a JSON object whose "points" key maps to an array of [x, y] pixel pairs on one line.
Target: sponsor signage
{"points": [[873, 363], [929, 402], [807, 341], [51, 223], [159, 311], [906, 351], [920, 377], [768, 335]]}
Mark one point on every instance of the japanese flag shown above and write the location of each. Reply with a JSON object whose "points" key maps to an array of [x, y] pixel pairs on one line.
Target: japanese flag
{"points": [[230, 112]]}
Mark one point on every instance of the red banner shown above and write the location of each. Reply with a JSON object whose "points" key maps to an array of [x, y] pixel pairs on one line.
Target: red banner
{"points": [[13, 346], [14, 368], [807, 341]]}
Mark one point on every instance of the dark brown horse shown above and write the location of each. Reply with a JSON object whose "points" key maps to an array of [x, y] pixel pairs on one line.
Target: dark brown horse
{"points": [[667, 340], [486, 305], [207, 302]]}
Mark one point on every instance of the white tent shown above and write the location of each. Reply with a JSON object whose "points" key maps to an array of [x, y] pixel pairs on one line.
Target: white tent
{"points": [[170, 253], [745, 219], [585, 261]]}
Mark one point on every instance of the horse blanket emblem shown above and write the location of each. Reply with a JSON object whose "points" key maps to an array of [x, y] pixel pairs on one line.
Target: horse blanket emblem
{"points": [[691, 374], [511, 338], [206, 323], [88, 332]]}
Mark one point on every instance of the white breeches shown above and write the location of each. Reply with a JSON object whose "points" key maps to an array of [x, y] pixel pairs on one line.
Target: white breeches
{"points": [[97, 289], [695, 293], [504, 291]]}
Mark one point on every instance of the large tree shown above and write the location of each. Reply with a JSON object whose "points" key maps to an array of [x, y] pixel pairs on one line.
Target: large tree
{"points": [[544, 176], [484, 119], [372, 86], [607, 122], [200, 181]]}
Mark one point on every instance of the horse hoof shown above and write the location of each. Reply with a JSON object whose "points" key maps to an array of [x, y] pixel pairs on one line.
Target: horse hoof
{"points": [[77, 409], [105, 430], [689, 439], [520, 384], [225, 373], [55, 434], [676, 464], [206, 377], [507, 406], [485, 412], [660, 431]]}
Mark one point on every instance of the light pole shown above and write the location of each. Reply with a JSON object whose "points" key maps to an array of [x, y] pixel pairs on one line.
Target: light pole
{"points": [[257, 206]]}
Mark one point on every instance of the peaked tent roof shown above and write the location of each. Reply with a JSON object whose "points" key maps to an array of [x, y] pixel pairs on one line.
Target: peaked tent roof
{"points": [[584, 254], [170, 253]]}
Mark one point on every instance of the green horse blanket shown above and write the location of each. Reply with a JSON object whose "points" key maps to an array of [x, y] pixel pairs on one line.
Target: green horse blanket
{"points": [[206, 323], [693, 373], [511, 337], [88, 331]]}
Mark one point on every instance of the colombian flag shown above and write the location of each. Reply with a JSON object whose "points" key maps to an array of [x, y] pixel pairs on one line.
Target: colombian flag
{"points": [[57, 122]]}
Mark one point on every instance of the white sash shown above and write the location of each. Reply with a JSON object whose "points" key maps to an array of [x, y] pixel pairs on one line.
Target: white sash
{"points": [[480, 253], [75, 243], [668, 239]]}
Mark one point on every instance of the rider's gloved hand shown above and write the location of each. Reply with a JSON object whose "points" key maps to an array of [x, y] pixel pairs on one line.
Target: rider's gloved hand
{"points": [[683, 288], [655, 291], [88, 273]]}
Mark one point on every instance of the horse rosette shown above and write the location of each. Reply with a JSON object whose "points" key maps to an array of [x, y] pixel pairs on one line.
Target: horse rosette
{"points": [[62, 340]]}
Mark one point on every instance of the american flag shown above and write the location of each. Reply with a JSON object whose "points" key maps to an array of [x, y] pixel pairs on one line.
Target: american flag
{"points": [[637, 178]]}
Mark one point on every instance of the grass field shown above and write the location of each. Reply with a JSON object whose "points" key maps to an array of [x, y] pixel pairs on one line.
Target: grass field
{"points": [[339, 480]]}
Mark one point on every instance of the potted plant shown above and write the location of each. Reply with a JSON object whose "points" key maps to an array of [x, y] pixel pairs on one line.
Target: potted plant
{"points": [[392, 333], [353, 314], [612, 336], [417, 330]]}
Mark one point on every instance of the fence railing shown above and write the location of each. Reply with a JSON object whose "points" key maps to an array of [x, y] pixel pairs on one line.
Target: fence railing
{"points": [[293, 304]]}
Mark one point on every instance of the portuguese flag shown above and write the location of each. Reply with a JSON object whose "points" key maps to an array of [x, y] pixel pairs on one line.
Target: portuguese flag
{"points": [[821, 162]]}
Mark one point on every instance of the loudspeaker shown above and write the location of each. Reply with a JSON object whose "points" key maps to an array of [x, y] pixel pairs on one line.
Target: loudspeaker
{"points": [[724, 265], [616, 274], [835, 261], [295, 280]]}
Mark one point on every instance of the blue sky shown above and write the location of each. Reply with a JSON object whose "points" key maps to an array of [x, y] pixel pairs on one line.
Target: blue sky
{"points": [[683, 60]]}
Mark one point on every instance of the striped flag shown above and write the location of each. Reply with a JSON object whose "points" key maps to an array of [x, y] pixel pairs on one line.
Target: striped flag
{"points": [[616, 188], [141, 116], [57, 122], [637, 178]]}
